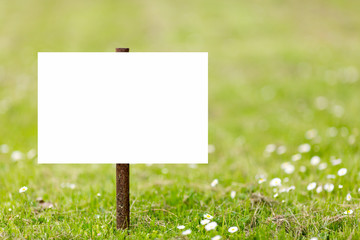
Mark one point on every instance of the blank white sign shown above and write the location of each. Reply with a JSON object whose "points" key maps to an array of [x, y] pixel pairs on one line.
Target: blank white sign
{"points": [[122, 107]]}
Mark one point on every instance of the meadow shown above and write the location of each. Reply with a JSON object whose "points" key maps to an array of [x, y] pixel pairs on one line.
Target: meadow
{"points": [[283, 122]]}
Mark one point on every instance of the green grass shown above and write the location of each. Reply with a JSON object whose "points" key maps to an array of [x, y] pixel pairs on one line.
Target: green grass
{"points": [[268, 62]]}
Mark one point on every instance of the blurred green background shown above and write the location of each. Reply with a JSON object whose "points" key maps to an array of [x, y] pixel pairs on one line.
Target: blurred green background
{"points": [[269, 62]]}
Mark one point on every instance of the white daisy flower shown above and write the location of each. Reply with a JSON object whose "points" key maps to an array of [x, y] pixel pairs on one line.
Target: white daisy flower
{"points": [[276, 195], [186, 232], [205, 221], [232, 194], [99, 195], [23, 189], [335, 162], [193, 166], [302, 169], [211, 148], [31, 154], [289, 168], [315, 160], [290, 188], [217, 237], [359, 190], [348, 197], [211, 226], [240, 140], [17, 155], [330, 176], [258, 176], [321, 103], [97, 216], [261, 180], [322, 166], [311, 134], [351, 74], [342, 171], [10, 209], [303, 148], [317, 140], [68, 185], [311, 186], [270, 148], [214, 183], [276, 182], [284, 165], [314, 238], [286, 179], [348, 212], [296, 157], [282, 189], [281, 150], [319, 189], [233, 229], [340, 186], [332, 132], [338, 110], [208, 216], [180, 227], [329, 187], [4, 148], [352, 139]]}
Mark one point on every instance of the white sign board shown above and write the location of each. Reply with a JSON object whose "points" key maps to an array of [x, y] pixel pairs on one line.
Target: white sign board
{"points": [[122, 107]]}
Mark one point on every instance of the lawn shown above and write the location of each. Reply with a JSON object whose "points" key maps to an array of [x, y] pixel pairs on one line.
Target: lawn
{"points": [[283, 103]]}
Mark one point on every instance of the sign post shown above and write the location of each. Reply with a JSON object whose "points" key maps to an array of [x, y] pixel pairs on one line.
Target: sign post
{"points": [[134, 108], [122, 188]]}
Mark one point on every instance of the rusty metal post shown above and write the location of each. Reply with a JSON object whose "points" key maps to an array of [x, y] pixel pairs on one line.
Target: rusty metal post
{"points": [[122, 188]]}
